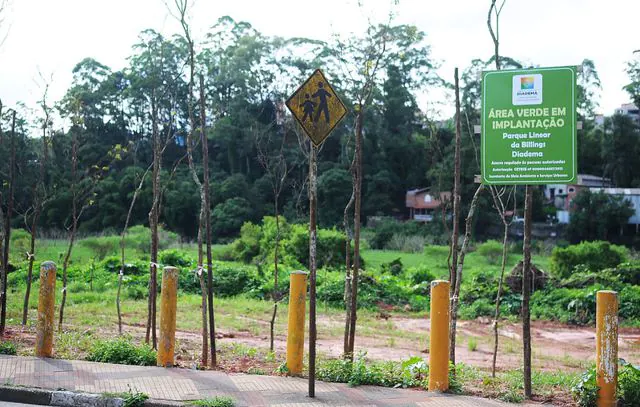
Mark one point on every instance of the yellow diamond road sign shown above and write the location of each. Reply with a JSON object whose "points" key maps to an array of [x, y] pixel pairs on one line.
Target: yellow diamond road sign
{"points": [[317, 107]]}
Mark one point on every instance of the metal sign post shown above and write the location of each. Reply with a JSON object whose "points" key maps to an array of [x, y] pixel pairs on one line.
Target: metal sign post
{"points": [[318, 109]]}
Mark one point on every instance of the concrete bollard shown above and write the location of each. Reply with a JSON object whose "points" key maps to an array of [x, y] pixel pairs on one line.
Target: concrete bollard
{"points": [[607, 347], [168, 303], [439, 342], [295, 325], [46, 310]]}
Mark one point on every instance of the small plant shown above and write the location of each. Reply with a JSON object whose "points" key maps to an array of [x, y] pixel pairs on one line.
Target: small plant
{"points": [[219, 401], [270, 357], [122, 351], [134, 398], [8, 348], [585, 391], [282, 369], [628, 385], [472, 344]]}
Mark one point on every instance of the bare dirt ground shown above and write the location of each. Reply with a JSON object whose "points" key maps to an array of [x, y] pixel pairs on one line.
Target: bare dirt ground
{"points": [[556, 347]]}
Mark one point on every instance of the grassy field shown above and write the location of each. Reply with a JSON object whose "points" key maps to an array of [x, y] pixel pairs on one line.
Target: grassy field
{"points": [[242, 323]]}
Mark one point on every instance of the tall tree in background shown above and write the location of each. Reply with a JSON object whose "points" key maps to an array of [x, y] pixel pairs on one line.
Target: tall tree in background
{"points": [[633, 70]]}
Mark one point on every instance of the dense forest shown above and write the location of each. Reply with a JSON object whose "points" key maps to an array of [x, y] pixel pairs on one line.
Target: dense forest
{"points": [[110, 117]]}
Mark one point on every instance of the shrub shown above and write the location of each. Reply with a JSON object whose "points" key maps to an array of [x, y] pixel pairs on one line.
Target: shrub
{"points": [[628, 385], [394, 267], [331, 248], [585, 392], [247, 246], [480, 307], [136, 268], [412, 372], [232, 279], [139, 238], [175, 258], [421, 274], [102, 246], [595, 256], [122, 351], [8, 348], [382, 234], [491, 250]]}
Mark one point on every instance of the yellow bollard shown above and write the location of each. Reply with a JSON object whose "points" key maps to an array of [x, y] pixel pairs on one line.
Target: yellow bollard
{"points": [[168, 302], [46, 310], [295, 326], [439, 342], [607, 347]]}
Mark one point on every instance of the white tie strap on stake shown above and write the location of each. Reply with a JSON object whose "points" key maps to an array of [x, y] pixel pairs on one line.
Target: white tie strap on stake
{"points": [[154, 265]]}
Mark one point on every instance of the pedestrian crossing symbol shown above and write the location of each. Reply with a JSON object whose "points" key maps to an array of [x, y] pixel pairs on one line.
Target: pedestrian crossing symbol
{"points": [[317, 107]]}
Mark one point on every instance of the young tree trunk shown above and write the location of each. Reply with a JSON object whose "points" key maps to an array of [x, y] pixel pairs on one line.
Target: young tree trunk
{"points": [[74, 222], [7, 228], [526, 291], [38, 196], [204, 359], [463, 251], [154, 216], [206, 204], [122, 247], [455, 229], [356, 232], [348, 276], [31, 256], [499, 295], [275, 295]]}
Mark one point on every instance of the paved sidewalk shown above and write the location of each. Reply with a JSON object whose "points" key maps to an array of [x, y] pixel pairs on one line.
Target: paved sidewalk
{"points": [[185, 384]]}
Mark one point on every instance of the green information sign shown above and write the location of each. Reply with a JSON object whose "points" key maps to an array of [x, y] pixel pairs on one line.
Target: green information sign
{"points": [[529, 126]]}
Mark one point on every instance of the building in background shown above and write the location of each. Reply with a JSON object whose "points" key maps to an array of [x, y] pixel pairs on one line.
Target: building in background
{"points": [[424, 204], [629, 109]]}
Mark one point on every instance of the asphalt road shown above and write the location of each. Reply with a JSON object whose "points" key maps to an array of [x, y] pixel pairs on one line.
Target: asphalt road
{"points": [[7, 404]]}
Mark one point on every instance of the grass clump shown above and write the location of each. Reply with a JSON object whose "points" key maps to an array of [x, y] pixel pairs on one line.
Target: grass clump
{"points": [[122, 351], [412, 372], [219, 401], [8, 348]]}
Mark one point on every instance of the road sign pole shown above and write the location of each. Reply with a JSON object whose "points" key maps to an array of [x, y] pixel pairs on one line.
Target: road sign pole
{"points": [[313, 201]]}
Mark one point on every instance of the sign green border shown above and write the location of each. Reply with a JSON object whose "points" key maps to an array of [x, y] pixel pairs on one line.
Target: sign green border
{"points": [[573, 124]]}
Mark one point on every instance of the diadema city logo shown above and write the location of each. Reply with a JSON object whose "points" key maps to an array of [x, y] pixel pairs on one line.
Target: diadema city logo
{"points": [[527, 89]]}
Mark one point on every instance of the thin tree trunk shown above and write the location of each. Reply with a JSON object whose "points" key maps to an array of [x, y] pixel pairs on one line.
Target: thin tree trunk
{"points": [[356, 232], [455, 229], [275, 295], [31, 256], [7, 228], [122, 247], [74, 222], [203, 291], [154, 217], [348, 276], [499, 296], [207, 214], [526, 291], [463, 251]]}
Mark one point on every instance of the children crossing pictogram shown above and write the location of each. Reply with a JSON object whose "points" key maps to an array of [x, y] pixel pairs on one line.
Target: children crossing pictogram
{"points": [[316, 107]]}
